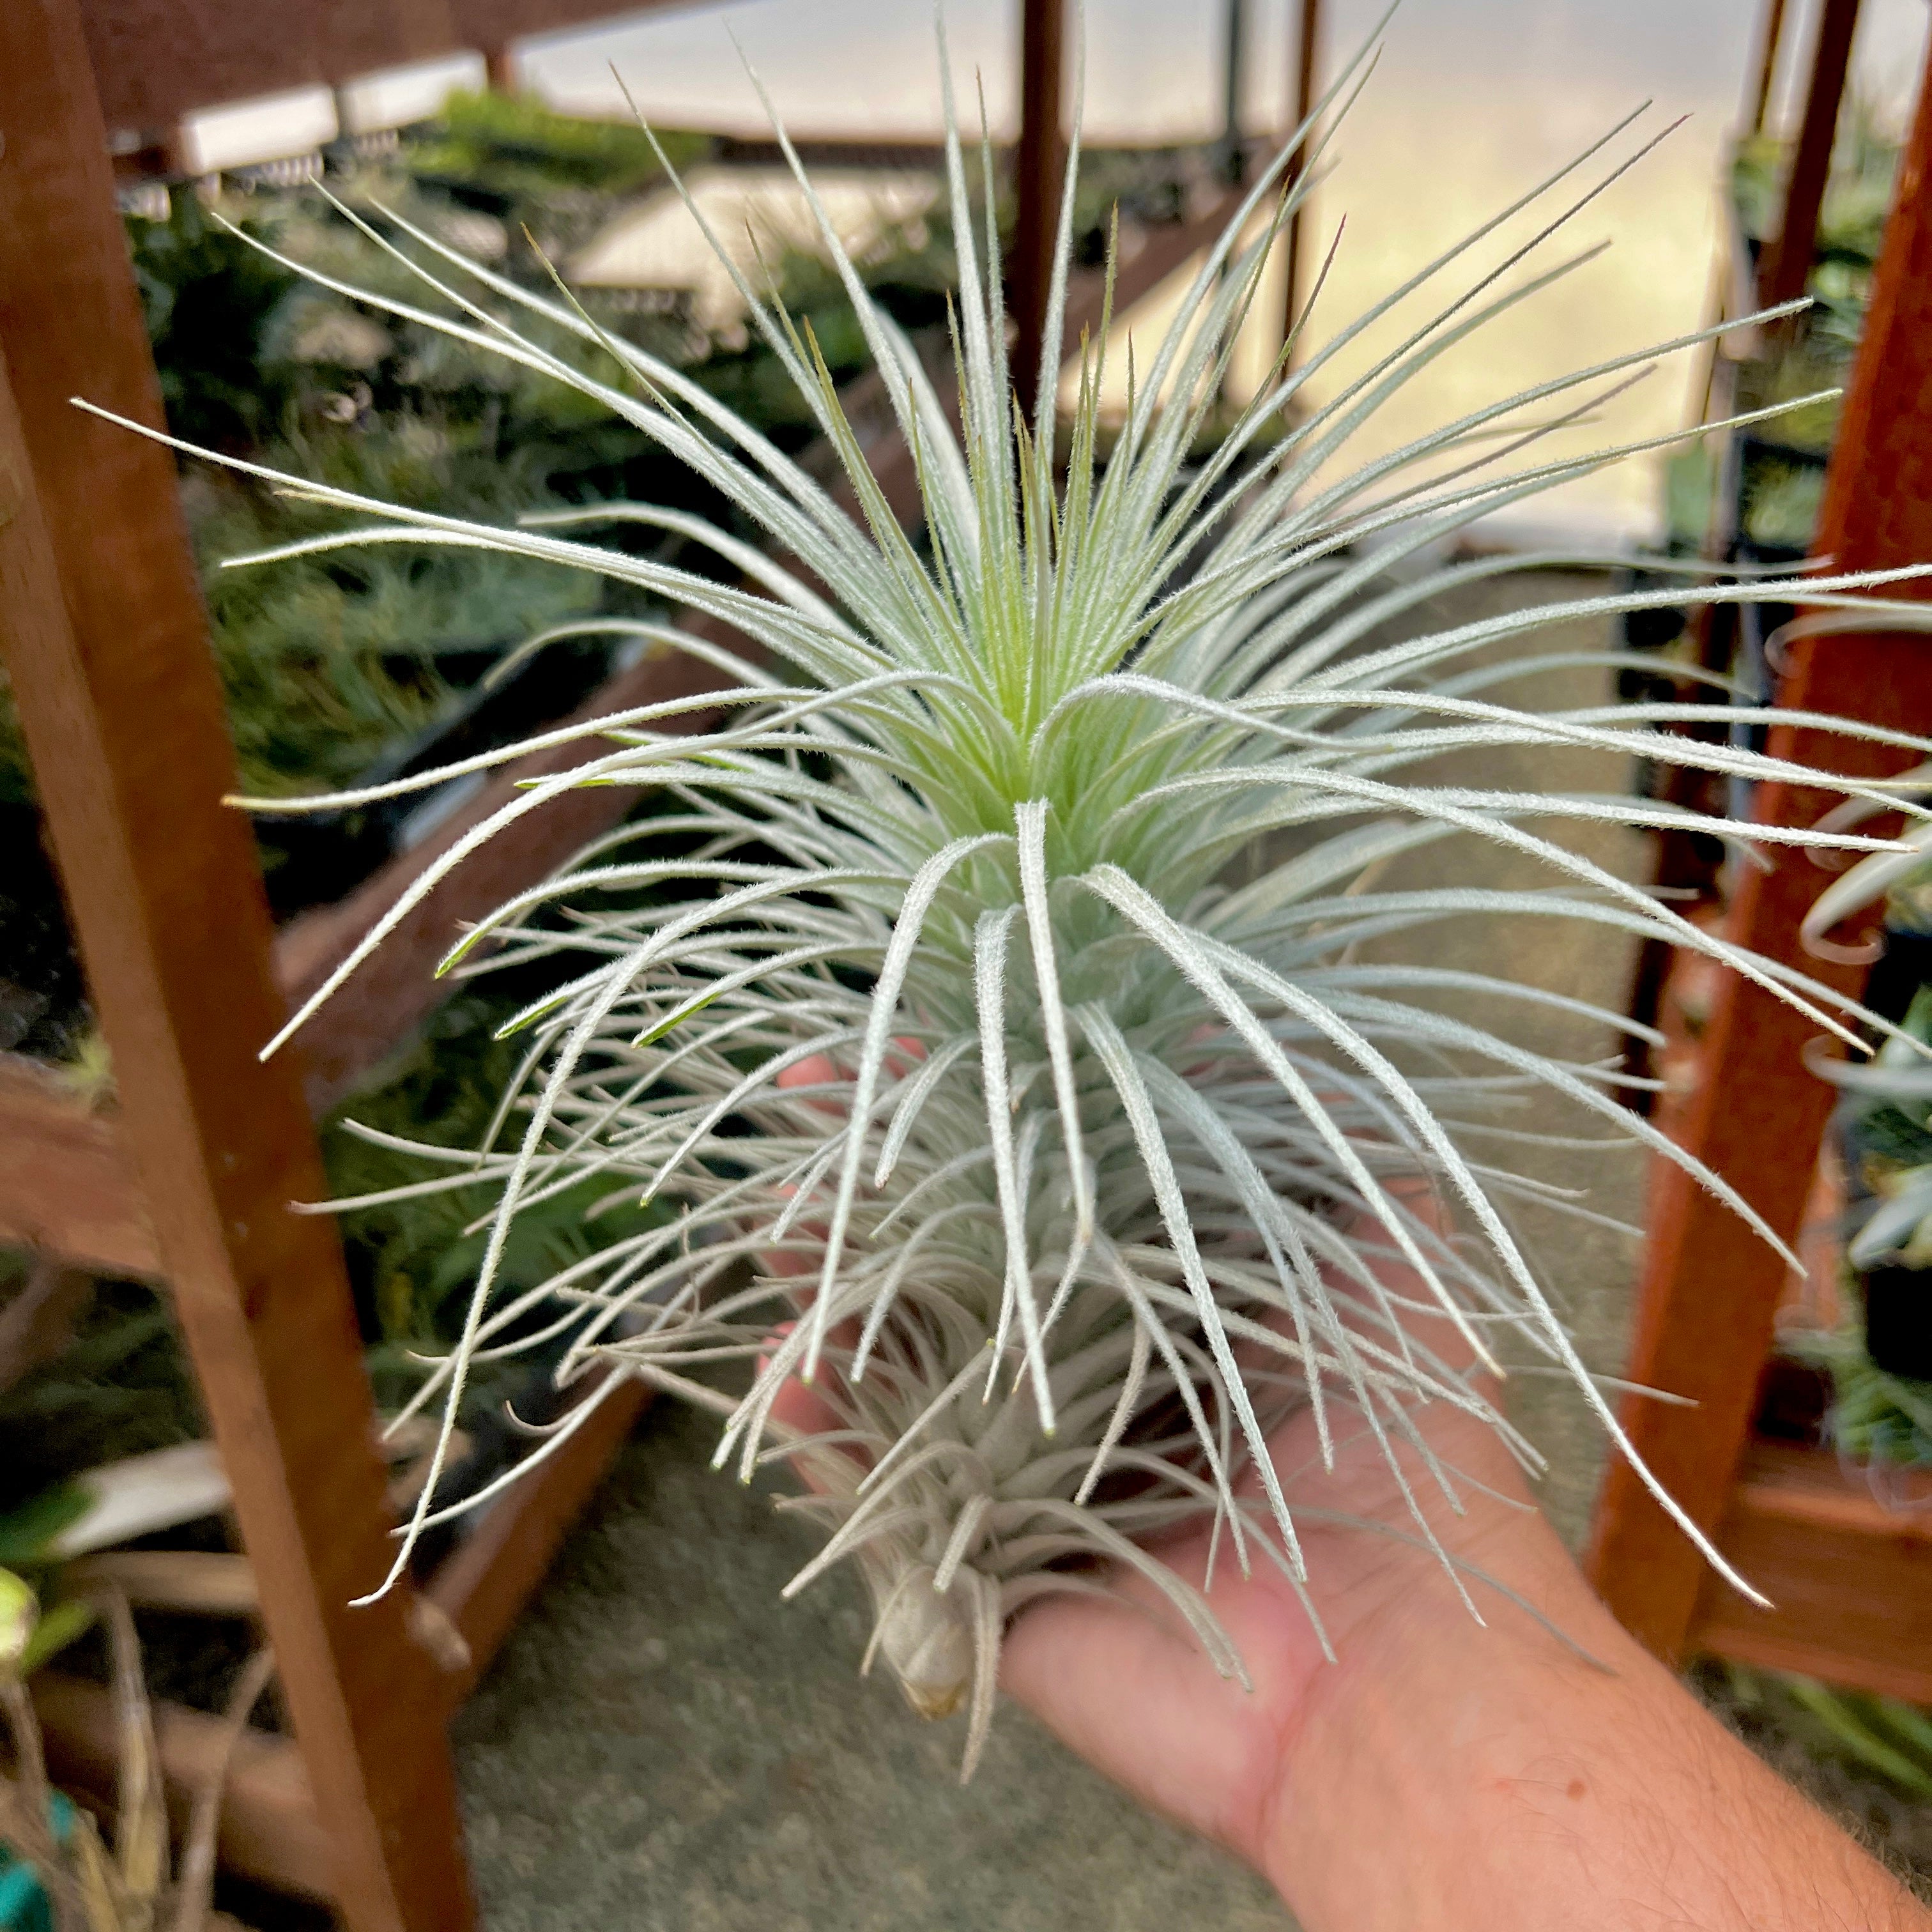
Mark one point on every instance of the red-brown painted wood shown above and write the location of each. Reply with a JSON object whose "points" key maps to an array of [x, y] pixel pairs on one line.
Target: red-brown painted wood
{"points": [[103, 634], [1849, 1577], [482, 1585], [1307, 60], [157, 60], [1771, 34], [1710, 1288], [1787, 262], [1040, 167]]}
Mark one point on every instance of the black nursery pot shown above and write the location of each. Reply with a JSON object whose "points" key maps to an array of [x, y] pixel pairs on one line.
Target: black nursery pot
{"points": [[1898, 1321], [1905, 965]]}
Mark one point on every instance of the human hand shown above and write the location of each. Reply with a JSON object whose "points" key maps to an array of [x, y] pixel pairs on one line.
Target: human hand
{"points": [[1531, 1771], [1131, 1692], [1127, 1685]]}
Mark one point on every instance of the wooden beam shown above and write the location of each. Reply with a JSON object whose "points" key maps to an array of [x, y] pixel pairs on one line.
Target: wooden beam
{"points": [[1787, 261], [1767, 64], [158, 60], [1850, 1579], [1307, 58], [67, 1187], [268, 1831], [121, 712], [1040, 166], [1234, 149], [1711, 1288], [500, 69], [482, 1585], [496, 23], [189, 1582]]}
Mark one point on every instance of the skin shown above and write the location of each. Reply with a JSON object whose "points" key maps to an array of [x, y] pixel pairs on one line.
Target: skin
{"points": [[1444, 1771]]}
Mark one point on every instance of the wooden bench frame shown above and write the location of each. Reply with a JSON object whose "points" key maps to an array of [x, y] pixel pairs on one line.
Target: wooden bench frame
{"points": [[188, 1180], [1852, 1580]]}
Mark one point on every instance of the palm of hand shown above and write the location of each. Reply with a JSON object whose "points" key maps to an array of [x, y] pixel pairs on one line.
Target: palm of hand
{"points": [[1127, 1688], [1123, 1684]]}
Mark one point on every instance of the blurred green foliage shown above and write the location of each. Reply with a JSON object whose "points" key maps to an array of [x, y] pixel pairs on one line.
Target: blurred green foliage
{"points": [[1864, 164], [1816, 355], [415, 1259], [121, 1388], [513, 148], [208, 297], [1879, 1737]]}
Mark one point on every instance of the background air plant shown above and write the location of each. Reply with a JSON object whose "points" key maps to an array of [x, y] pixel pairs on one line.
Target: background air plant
{"points": [[989, 1105]]}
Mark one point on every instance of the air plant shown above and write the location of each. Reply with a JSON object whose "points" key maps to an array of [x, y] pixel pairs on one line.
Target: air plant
{"points": [[1879, 1415], [990, 1106]]}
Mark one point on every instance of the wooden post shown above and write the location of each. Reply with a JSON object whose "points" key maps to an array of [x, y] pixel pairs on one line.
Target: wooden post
{"points": [[105, 643], [1711, 1288], [1234, 153], [1767, 64], [500, 72], [1787, 262], [1307, 54], [1040, 166]]}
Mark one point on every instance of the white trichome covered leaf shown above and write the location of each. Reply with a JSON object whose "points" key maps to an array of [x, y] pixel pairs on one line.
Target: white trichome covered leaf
{"points": [[987, 1103]]}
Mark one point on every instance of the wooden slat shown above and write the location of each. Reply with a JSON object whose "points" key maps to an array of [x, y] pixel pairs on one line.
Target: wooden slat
{"points": [[157, 60], [496, 23], [1770, 35], [1307, 62], [66, 1186], [1787, 263], [121, 712], [1850, 1580], [484, 1583], [269, 1832], [1040, 166], [191, 1583], [1710, 1287]]}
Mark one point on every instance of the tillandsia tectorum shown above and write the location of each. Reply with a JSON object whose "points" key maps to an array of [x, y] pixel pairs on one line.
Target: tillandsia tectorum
{"points": [[988, 1103]]}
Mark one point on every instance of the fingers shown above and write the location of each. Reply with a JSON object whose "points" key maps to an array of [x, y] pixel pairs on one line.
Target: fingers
{"points": [[1142, 1703], [820, 1070], [804, 1409]]}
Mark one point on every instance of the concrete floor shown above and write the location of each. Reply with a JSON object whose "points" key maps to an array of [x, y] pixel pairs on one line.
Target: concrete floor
{"points": [[666, 1744]]}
